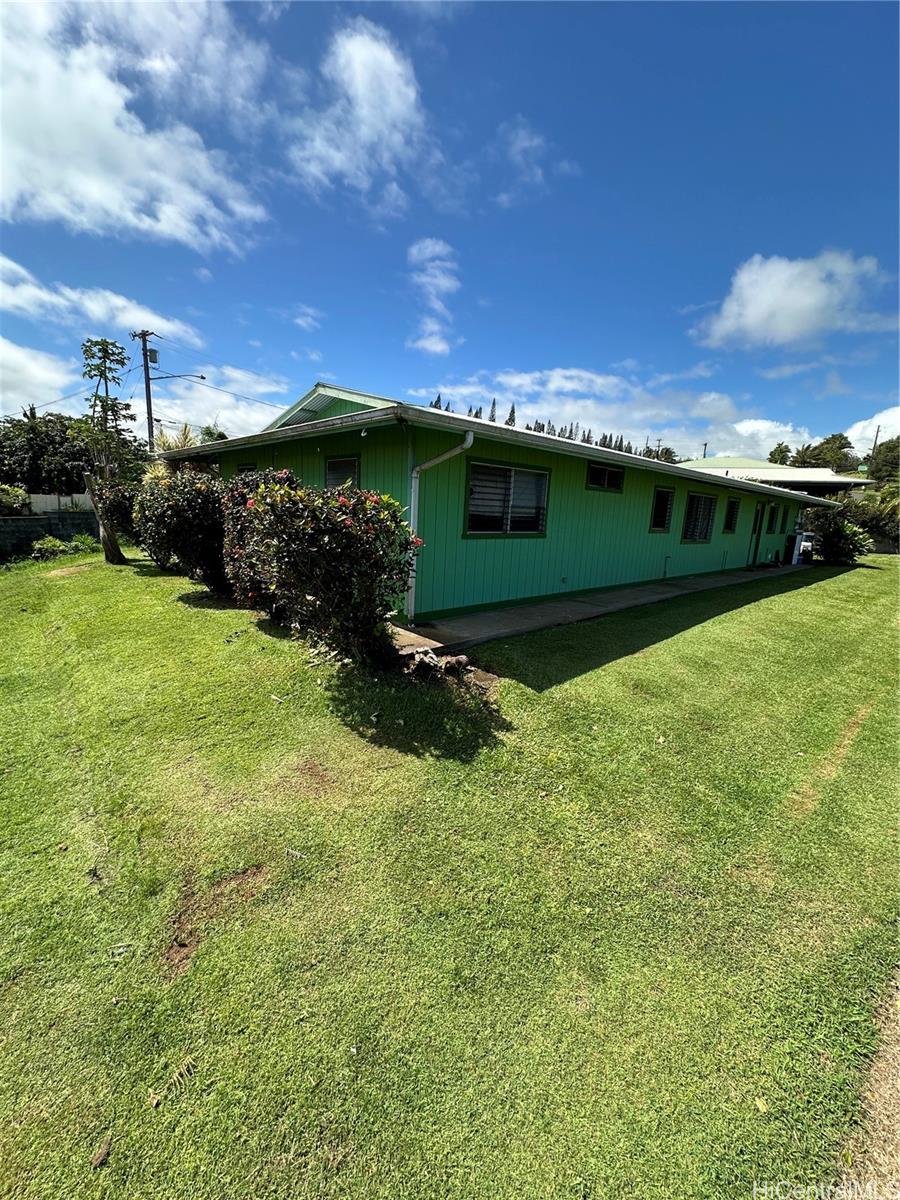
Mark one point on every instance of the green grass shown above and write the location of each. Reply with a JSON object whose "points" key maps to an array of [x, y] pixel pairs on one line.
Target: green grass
{"points": [[621, 937]]}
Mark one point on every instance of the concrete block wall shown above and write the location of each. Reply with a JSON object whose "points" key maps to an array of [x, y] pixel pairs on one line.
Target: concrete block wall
{"points": [[17, 534]]}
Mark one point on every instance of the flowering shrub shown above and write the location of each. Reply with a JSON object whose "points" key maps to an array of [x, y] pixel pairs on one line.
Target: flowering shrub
{"points": [[331, 563], [117, 501], [246, 550], [179, 518]]}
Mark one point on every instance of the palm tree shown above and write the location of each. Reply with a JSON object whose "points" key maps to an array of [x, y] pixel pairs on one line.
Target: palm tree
{"points": [[805, 456]]}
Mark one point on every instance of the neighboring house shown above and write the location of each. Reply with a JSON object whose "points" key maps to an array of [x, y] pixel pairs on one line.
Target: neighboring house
{"points": [[814, 481], [508, 515]]}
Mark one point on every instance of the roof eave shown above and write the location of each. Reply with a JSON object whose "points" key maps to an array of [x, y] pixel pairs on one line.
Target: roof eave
{"points": [[414, 414], [286, 433]]}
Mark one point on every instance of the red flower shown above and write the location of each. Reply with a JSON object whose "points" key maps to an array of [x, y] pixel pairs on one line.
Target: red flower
{"points": [[417, 541], [347, 521], [343, 501], [250, 503]]}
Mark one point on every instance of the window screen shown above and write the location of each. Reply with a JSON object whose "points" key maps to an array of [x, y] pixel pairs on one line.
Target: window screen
{"points": [[732, 508], [506, 500], [246, 466], [772, 518], [698, 519], [661, 515], [608, 479], [341, 470]]}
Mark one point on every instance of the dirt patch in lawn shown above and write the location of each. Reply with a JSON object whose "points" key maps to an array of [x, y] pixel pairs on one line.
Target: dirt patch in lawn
{"points": [[804, 800], [875, 1151], [55, 574], [197, 909], [314, 774]]}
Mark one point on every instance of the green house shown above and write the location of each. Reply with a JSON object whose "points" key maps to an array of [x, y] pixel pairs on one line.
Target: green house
{"points": [[508, 515]]}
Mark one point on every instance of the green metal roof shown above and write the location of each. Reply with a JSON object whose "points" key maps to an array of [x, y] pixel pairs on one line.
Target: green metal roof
{"points": [[379, 410]]}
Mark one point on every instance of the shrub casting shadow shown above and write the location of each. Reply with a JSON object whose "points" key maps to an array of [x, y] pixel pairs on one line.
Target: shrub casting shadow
{"points": [[444, 719], [545, 658], [205, 599]]}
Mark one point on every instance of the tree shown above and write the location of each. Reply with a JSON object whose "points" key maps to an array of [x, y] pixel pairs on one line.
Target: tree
{"points": [[493, 412], [884, 464], [101, 432], [836, 451], [212, 433], [511, 419], [780, 454], [38, 453], [805, 456], [667, 455]]}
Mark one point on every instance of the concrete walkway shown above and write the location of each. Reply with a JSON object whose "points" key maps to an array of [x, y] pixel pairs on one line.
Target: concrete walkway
{"points": [[458, 633]]}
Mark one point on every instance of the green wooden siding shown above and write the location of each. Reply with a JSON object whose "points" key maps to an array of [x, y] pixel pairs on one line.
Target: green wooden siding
{"points": [[593, 539], [383, 458]]}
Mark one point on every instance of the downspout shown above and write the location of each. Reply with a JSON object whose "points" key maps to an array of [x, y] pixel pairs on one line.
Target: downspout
{"points": [[414, 474]]}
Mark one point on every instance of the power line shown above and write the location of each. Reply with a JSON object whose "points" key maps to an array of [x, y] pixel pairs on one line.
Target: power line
{"points": [[186, 353]]}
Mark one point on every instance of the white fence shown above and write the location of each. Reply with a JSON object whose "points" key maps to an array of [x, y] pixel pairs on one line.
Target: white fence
{"points": [[80, 502]]}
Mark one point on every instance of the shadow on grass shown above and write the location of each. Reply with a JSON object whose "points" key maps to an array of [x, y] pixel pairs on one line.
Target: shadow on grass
{"points": [[443, 719], [544, 659], [205, 599]]}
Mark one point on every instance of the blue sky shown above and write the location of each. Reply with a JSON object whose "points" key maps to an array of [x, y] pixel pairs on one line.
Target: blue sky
{"points": [[674, 220]]}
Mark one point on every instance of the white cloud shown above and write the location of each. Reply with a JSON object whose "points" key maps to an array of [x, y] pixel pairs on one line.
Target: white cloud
{"points": [[204, 274], [862, 433], [373, 126], [308, 318], [190, 58], [75, 151], [787, 370], [754, 437], [314, 355], [684, 419], [781, 301], [94, 310], [435, 275], [525, 151], [270, 11], [700, 370], [188, 400], [30, 376]]}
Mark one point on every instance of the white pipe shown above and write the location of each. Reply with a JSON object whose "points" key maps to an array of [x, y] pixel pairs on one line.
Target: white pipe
{"points": [[414, 474]]}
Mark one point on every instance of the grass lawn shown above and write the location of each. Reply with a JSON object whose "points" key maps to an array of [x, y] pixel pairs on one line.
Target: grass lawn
{"points": [[279, 931]]}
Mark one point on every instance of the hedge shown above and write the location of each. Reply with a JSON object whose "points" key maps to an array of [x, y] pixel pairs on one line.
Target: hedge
{"points": [[329, 562], [178, 518]]}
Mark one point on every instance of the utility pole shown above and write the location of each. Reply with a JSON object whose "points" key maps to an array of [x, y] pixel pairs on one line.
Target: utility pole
{"points": [[658, 444], [875, 443], [705, 444], [143, 334]]}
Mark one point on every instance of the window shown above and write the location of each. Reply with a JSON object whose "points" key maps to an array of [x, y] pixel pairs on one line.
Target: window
{"points": [[604, 478], [772, 518], [732, 509], [784, 512], [698, 519], [246, 466], [661, 516], [506, 500], [339, 471]]}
